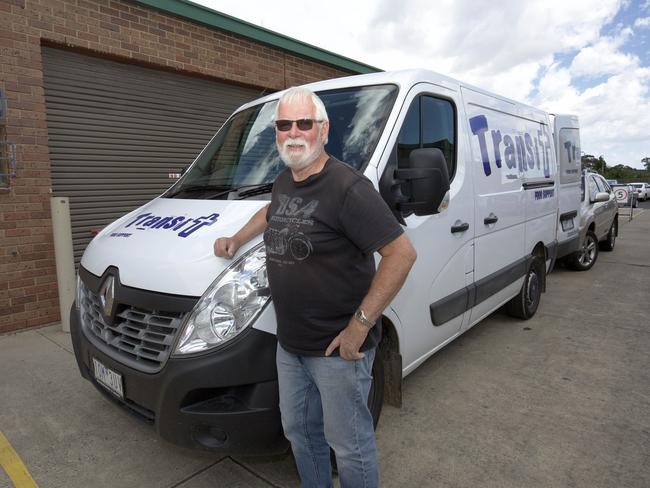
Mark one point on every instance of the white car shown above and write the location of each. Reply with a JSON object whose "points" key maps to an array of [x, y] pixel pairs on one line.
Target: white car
{"points": [[642, 190]]}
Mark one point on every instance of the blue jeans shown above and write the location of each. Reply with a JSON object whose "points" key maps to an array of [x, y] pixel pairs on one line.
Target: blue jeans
{"points": [[323, 402]]}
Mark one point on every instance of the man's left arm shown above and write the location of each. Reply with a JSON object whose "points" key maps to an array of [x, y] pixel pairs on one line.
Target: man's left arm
{"points": [[397, 258]]}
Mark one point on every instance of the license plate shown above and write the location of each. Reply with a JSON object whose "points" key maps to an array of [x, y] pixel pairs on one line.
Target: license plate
{"points": [[108, 378]]}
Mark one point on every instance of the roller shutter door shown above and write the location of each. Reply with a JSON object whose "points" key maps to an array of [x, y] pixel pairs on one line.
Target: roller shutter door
{"points": [[117, 131]]}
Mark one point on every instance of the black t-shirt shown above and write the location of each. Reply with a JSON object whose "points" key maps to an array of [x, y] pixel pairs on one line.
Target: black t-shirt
{"points": [[320, 239]]}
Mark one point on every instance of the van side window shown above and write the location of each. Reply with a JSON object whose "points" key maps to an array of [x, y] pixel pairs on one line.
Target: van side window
{"points": [[430, 123]]}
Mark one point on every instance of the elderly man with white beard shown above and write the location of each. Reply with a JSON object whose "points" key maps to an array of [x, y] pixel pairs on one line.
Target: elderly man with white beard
{"points": [[321, 229]]}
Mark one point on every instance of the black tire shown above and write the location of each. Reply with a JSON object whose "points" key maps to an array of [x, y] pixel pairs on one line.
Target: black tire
{"points": [[525, 304], [608, 244], [585, 257]]}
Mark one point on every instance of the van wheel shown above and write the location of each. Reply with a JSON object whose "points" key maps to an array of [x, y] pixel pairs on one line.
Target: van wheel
{"points": [[525, 304], [375, 398], [585, 257], [609, 243]]}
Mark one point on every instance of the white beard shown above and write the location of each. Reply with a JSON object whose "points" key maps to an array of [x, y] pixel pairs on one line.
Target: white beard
{"points": [[300, 160]]}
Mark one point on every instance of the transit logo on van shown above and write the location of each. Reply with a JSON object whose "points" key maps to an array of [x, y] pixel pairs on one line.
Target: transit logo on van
{"points": [[522, 150], [186, 225]]}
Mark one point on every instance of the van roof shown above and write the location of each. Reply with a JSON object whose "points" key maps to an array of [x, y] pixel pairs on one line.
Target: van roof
{"points": [[408, 77]]}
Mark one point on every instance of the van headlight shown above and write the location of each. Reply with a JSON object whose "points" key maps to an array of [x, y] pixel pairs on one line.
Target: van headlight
{"points": [[231, 303], [79, 292]]}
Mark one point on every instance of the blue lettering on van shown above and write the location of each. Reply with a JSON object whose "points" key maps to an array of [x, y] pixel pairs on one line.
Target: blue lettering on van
{"points": [[182, 225], [522, 151], [542, 194], [479, 127]]}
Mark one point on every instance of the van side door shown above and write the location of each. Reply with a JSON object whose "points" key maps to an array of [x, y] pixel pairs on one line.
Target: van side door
{"points": [[566, 134], [433, 302], [497, 142]]}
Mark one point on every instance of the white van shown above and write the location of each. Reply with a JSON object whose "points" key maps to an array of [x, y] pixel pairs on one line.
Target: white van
{"points": [[588, 209], [566, 132], [186, 341]]}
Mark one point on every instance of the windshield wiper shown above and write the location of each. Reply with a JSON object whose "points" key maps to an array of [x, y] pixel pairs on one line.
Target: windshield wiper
{"points": [[257, 190], [198, 188]]}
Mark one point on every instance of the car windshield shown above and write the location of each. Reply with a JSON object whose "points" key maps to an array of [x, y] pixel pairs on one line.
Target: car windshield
{"points": [[242, 161], [637, 185]]}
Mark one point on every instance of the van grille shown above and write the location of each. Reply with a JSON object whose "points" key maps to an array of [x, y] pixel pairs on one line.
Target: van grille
{"points": [[139, 338]]}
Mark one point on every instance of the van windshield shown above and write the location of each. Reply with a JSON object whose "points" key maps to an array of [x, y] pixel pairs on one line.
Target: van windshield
{"points": [[242, 161]]}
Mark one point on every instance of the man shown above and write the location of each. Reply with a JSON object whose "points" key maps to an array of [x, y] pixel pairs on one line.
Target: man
{"points": [[323, 224]]}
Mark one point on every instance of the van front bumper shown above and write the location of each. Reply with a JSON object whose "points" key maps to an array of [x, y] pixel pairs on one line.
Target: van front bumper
{"points": [[225, 401]]}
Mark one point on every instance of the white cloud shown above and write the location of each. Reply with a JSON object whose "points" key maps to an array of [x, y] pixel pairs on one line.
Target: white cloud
{"points": [[604, 57], [642, 22], [519, 49], [614, 115]]}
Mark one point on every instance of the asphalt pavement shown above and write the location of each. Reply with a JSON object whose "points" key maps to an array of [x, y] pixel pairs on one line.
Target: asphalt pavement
{"points": [[562, 400]]}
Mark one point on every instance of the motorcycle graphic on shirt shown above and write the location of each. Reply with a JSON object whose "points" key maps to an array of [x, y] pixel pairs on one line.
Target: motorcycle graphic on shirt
{"points": [[289, 241]]}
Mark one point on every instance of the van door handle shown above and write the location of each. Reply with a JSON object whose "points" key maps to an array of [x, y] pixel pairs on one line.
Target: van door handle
{"points": [[459, 227], [491, 219]]}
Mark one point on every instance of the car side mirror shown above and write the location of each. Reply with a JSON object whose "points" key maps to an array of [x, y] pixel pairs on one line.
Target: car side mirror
{"points": [[601, 197]]}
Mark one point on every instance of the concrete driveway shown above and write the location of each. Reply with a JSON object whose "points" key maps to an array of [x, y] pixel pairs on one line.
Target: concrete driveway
{"points": [[562, 400]]}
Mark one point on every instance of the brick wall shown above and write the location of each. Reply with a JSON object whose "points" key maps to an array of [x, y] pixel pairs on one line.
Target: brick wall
{"points": [[122, 31]]}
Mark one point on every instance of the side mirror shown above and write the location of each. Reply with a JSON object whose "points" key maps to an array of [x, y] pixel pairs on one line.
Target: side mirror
{"points": [[601, 196], [420, 188], [427, 178]]}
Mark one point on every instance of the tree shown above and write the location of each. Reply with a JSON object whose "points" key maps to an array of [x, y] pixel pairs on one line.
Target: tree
{"points": [[646, 162], [593, 163], [621, 172]]}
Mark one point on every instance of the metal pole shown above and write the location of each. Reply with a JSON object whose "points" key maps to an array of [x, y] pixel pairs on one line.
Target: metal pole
{"points": [[64, 256]]}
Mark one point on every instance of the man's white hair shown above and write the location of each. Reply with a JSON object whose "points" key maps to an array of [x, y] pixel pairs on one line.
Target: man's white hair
{"points": [[299, 94]]}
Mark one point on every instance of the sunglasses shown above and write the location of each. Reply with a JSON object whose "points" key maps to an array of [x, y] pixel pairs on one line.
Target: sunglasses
{"points": [[285, 125]]}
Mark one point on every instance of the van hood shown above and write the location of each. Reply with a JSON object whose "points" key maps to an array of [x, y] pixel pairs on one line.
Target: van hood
{"points": [[167, 244]]}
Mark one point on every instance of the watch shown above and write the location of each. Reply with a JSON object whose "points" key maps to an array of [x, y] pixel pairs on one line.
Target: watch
{"points": [[361, 317]]}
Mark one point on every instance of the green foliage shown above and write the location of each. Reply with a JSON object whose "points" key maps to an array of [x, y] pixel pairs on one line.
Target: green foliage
{"points": [[620, 172], [592, 163]]}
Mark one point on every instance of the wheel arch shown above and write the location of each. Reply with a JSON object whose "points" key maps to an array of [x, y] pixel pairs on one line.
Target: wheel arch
{"points": [[389, 353], [540, 251]]}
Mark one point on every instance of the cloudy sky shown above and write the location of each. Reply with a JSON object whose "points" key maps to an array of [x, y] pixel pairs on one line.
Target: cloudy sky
{"points": [[588, 57]]}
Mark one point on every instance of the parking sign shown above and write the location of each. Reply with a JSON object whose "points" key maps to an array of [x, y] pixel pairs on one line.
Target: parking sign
{"points": [[621, 195]]}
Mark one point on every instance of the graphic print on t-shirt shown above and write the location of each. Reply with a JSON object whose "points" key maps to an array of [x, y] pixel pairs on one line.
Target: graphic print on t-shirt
{"points": [[285, 243]]}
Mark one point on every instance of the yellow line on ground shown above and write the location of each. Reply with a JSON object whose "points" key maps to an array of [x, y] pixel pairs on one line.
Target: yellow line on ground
{"points": [[13, 466]]}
